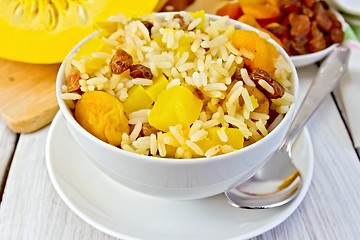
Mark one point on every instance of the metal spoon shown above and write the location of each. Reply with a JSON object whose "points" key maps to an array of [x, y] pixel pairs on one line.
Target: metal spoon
{"points": [[278, 181]]}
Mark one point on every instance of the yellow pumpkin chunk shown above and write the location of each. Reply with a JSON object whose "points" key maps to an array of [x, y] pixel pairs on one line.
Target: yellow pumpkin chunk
{"points": [[137, 99], [185, 44], [95, 44], [199, 14], [176, 105], [102, 115], [158, 41], [235, 139], [159, 85]]}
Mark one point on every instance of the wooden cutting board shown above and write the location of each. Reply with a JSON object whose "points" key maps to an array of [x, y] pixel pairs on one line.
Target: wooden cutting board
{"points": [[27, 95]]}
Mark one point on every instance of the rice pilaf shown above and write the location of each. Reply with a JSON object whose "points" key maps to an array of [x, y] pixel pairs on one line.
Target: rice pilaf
{"points": [[192, 52]]}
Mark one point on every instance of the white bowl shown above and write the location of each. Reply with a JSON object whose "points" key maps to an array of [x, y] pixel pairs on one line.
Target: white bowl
{"points": [[177, 178], [311, 58]]}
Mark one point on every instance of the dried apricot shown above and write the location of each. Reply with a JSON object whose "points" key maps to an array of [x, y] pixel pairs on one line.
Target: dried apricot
{"points": [[103, 116], [263, 51], [231, 9]]}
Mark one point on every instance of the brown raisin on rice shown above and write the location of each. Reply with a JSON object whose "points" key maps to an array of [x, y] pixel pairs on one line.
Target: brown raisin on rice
{"points": [[120, 62]]}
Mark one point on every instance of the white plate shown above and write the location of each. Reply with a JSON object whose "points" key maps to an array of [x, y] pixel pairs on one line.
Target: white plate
{"points": [[127, 214]]}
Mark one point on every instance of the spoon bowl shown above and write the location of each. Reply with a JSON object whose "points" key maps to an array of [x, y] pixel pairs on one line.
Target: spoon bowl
{"points": [[275, 184], [278, 181]]}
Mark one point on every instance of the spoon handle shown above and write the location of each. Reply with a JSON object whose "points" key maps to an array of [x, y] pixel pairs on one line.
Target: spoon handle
{"points": [[329, 74]]}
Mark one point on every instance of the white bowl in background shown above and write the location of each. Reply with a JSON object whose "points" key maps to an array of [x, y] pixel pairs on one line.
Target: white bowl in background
{"points": [[311, 58]]}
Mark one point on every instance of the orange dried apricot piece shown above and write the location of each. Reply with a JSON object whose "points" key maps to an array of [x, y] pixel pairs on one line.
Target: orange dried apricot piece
{"points": [[231, 9], [102, 115], [264, 52]]}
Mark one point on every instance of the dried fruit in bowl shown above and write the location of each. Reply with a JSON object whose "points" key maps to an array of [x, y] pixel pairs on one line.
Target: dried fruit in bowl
{"points": [[299, 26], [102, 115], [251, 21], [231, 9], [263, 52]]}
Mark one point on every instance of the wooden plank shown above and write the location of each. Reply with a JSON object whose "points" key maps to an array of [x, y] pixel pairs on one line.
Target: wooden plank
{"points": [[7, 147], [27, 95], [330, 209], [333, 197], [31, 208]]}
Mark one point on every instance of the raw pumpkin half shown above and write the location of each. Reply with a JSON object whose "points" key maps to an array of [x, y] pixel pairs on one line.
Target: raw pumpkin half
{"points": [[44, 31]]}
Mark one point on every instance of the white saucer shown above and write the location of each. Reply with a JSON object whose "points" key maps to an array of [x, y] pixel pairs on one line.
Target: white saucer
{"points": [[126, 214]]}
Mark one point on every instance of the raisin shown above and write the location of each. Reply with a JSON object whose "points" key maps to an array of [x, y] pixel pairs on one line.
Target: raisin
{"points": [[317, 41], [336, 35], [199, 94], [237, 74], [181, 21], [273, 115], [148, 25], [299, 45], [259, 74], [140, 71], [309, 3], [290, 6], [300, 25], [322, 16], [277, 29], [308, 12], [147, 130], [335, 22], [120, 62], [288, 46], [72, 83]]}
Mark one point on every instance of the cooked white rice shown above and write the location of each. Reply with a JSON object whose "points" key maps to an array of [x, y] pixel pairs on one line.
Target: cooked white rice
{"points": [[213, 150]]}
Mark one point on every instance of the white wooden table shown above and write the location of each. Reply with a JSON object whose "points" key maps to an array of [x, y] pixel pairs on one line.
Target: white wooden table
{"points": [[31, 209]]}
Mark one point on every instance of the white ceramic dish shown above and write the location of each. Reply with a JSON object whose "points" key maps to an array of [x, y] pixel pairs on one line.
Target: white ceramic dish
{"points": [[126, 214], [311, 58], [178, 178]]}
